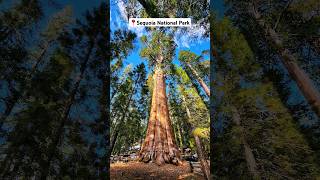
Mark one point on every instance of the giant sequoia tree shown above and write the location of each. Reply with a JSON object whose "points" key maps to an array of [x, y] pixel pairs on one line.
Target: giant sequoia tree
{"points": [[159, 144]]}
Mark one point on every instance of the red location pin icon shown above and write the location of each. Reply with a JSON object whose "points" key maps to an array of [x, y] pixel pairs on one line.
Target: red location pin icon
{"points": [[133, 21]]}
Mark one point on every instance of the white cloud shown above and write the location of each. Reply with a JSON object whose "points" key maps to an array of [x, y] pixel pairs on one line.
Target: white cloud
{"points": [[122, 20], [188, 37], [122, 10], [140, 31], [183, 38]]}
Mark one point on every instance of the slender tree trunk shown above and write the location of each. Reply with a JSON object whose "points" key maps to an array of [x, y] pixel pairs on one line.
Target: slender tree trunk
{"points": [[17, 95], [201, 82], [204, 164], [113, 141], [124, 113], [65, 115], [117, 128], [315, 42], [250, 159], [303, 81], [5, 165], [159, 145], [105, 101], [10, 103], [104, 121], [179, 136], [197, 88]]}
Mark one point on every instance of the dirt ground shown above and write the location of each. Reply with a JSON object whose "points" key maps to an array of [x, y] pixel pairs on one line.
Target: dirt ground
{"points": [[150, 171]]}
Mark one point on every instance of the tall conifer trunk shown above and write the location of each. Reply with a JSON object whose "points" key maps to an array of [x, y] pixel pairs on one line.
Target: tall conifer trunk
{"points": [[199, 146], [201, 82], [302, 79], [248, 154], [159, 145], [58, 136]]}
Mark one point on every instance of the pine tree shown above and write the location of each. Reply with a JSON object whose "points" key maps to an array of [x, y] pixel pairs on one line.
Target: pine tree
{"points": [[189, 60], [202, 113], [88, 35], [260, 117], [15, 25], [302, 79], [49, 36]]}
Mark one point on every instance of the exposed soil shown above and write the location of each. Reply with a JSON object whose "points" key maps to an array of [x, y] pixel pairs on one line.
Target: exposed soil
{"points": [[150, 171]]}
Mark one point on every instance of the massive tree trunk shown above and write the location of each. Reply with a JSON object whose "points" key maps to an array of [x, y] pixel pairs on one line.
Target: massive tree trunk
{"points": [[248, 154], [204, 164], [303, 81], [159, 145]]}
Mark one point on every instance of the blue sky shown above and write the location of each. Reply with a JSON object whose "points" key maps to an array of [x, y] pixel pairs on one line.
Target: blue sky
{"points": [[218, 6], [118, 19]]}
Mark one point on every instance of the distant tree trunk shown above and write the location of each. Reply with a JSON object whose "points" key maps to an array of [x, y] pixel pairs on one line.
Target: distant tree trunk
{"points": [[201, 82], [123, 115], [179, 136], [13, 100], [113, 141], [65, 115], [104, 120], [198, 89], [184, 139], [17, 95], [250, 159], [204, 164], [117, 128], [303, 81], [159, 145], [315, 42], [10, 103]]}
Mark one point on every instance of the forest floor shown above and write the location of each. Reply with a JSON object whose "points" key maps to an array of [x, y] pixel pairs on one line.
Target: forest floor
{"points": [[139, 170]]}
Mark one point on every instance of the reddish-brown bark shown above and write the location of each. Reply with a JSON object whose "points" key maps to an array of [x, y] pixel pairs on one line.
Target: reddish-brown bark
{"points": [[201, 82], [305, 84], [159, 145]]}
